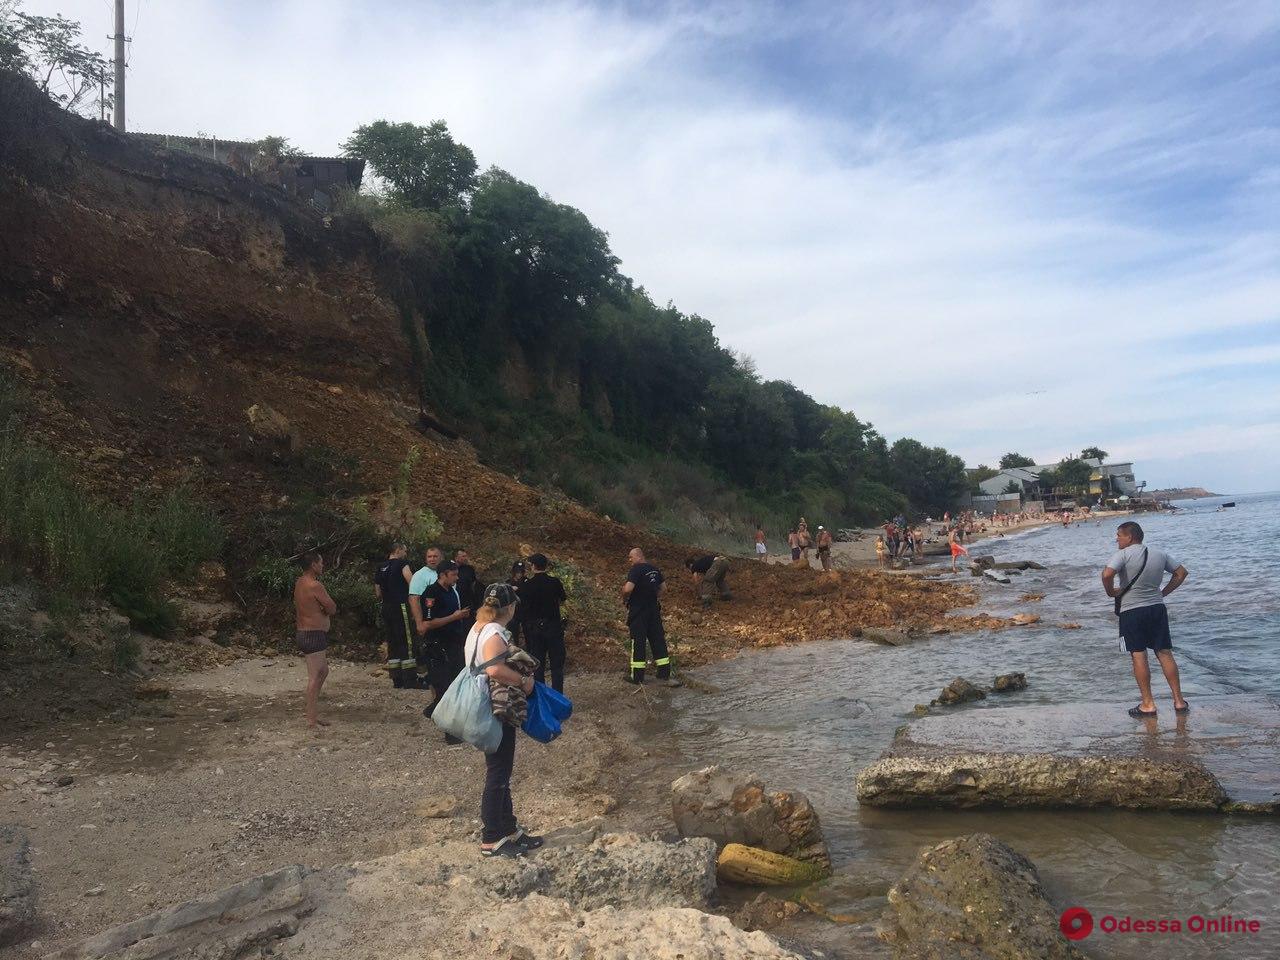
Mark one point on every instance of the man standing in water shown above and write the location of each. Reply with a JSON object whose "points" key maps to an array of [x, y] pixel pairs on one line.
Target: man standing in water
{"points": [[1144, 620], [314, 607]]}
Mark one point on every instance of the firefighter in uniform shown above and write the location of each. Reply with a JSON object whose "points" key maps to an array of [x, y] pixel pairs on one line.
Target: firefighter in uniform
{"points": [[391, 584], [641, 593]]}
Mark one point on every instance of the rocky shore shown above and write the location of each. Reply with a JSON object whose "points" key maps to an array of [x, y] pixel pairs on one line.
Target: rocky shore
{"points": [[210, 824]]}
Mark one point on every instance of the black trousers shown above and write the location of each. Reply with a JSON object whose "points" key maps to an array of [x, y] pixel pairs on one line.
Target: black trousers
{"points": [[443, 660], [647, 635], [397, 623], [496, 812], [544, 639]]}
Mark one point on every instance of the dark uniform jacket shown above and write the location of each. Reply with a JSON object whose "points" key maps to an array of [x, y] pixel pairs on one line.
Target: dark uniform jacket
{"points": [[439, 602]]}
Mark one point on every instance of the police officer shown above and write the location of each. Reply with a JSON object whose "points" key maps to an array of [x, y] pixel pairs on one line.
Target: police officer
{"points": [[540, 599], [442, 630], [641, 593], [391, 584]]}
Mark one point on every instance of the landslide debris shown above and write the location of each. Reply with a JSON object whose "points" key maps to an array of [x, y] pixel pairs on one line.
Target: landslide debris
{"points": [[150, 300]]}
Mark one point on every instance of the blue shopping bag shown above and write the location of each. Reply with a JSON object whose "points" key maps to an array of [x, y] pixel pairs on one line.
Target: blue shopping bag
{"points": [[548, 708]]}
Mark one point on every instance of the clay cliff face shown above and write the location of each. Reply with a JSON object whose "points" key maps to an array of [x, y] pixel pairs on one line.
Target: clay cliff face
{"points": [[148, 299]]}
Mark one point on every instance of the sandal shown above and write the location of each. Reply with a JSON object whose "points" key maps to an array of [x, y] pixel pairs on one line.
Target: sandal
{"points": [[506, 847], [526, 841], [1139, 714], [1185, 708]]}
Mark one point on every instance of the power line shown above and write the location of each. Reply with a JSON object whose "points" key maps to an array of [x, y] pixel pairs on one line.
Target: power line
{"points": [[137, 15]]}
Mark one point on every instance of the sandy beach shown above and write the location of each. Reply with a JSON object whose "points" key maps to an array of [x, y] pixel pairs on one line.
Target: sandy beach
{"points": [[860, 553]]}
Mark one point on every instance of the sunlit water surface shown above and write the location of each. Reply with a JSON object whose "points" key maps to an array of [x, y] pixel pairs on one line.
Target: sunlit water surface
{"points": [[810, 717]]}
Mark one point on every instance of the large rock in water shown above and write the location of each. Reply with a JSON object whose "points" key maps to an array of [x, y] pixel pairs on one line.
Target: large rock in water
{"points": [[17, 891], [973, 898], [734, 808], [1037, 780], [960, 690]]}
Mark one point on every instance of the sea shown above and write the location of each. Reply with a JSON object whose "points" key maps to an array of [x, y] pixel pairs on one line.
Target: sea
{"points": [[809, 717]]}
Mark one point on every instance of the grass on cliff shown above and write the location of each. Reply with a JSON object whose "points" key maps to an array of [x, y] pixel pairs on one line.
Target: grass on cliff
{"points": [[82, 548]]}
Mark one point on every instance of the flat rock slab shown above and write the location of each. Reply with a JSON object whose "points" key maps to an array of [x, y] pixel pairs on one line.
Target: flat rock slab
{"points": [[1236, 738], [972, 780]]}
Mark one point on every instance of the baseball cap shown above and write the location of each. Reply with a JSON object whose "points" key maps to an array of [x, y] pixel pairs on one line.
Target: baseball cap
{"points": [[446, 566], [500, 595], [538, 560]]}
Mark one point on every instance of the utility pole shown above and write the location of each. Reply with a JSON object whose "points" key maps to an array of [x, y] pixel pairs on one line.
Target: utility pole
{"points": [[117, 114]]}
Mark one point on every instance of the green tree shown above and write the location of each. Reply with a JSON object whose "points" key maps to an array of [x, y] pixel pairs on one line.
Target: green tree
{"points": [[1013, 487], [932, 479], [1093, 453], [48, 50], [422, 166], [1015, 460], [276, 148], [1073, 474]]}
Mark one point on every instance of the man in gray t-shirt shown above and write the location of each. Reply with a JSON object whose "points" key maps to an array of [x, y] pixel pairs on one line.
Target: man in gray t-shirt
{"points": [[1144, 621]]}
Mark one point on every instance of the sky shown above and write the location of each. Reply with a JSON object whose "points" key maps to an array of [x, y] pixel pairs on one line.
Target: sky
{"points": [[991, 226]]}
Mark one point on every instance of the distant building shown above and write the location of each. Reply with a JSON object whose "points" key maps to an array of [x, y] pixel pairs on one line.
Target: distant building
{"points": [[1105, 480], [314, 179]]}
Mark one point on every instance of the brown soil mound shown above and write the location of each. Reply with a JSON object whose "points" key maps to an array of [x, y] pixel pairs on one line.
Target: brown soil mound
{"points": [[148, 299]]}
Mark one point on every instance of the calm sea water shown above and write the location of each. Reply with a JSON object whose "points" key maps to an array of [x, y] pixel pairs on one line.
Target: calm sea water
{"points": [[810, 717]]}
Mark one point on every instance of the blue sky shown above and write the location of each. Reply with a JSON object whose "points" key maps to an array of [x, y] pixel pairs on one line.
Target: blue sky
{"points": [[991, 226]]}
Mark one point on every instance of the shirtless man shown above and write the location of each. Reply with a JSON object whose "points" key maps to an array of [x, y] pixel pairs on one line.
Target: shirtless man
{"points": [[824, 547], [314, 607]]}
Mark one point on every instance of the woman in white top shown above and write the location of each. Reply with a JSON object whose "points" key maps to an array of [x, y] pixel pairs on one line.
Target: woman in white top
{"points": [[489, 638]]}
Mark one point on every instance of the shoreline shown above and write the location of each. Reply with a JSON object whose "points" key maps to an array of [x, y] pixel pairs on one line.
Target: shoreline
{"points": [[860, 554]]}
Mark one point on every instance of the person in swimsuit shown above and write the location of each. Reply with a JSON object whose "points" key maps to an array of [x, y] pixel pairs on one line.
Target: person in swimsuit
{"points": [[313, 608], [957, 548]]}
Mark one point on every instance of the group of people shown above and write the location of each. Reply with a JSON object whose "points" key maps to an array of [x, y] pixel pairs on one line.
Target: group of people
{"points": [[900, 539], [441, 620], [800, 541], [428, 615]]}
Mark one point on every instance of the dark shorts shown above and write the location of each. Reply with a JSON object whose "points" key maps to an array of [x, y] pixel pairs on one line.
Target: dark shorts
{"points": [[1146, 628], [313, 641], [795, 553]]}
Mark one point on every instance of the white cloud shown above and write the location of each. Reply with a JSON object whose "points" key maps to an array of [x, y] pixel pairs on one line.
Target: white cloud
{"points": [[929, 257]]}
